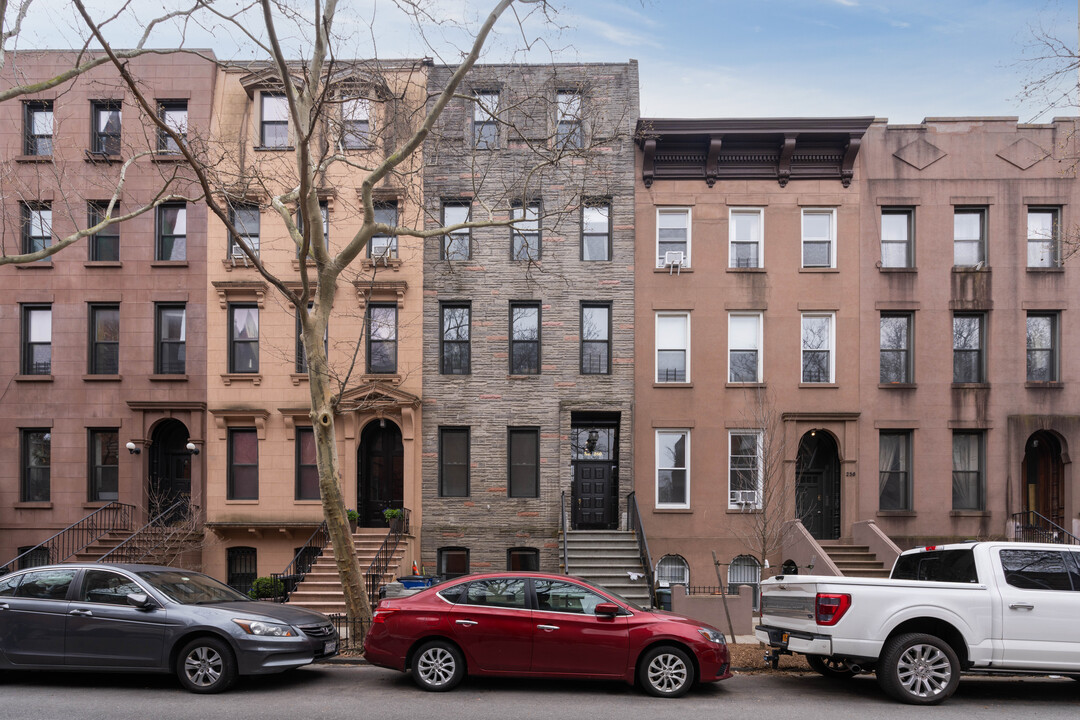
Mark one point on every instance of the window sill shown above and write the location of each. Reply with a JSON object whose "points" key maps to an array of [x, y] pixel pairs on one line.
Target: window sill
{"points": [[33, 505], [672, 271], [393, 379], [102, 378], [971, 386], [897, 386], [822, 386], [274, 148], [745, 385], [676, 511], [390, 263], [311, 501], [231, 263], [1052, 385], [168, 158], [103, 264], [743, 511], [96, 504], [1050, 270], [969, 513], [824, 270], [296, 263], [162, 377], [230, 378], [673, 385], [298, 378], [169, 264], [33, 378], [39, 265], [898, 270], [99, 157], [897, 513], [242, 502], [970, 269], [530, 376], [746, 270], [33, 158]]}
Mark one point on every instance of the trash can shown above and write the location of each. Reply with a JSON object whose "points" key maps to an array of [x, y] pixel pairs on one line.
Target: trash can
{"points": [[416, 581], [663, 598]]}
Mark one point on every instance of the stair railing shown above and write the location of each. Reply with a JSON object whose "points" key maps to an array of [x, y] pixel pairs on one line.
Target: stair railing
{"points": [[1030, 526], [634, 519], [133, 549], [398, 526], [562, 523], [80, 534], [298, 569]]}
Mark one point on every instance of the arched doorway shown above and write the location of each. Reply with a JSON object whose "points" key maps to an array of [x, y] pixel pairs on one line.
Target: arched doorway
{"points": [[1044, 483], [817, 485], [170, 468], [381, 467]]}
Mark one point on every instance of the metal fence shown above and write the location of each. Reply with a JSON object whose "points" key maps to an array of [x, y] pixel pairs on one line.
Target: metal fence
{"points": [[352, 633]]}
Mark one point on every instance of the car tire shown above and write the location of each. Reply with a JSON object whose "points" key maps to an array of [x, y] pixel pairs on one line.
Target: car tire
{"points": [[666, 671], [438, 666], [206, 665], [829, 666], [918, 669]]}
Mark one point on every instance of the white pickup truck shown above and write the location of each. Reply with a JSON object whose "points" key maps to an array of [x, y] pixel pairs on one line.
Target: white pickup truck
{"points": [[979, 606]]}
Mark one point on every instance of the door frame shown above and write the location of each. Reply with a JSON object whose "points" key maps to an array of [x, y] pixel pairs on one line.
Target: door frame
{"points": [[371, 517], [583, 421], [831, 482]]}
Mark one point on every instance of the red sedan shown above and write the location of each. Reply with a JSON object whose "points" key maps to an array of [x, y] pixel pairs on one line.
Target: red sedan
{"points": [[540, 625]]}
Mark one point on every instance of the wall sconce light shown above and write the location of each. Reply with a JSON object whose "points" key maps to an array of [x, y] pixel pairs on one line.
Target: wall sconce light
{"points": [[813, 433], [132, 448], [593, 439], [190, 447], [382, 423]]}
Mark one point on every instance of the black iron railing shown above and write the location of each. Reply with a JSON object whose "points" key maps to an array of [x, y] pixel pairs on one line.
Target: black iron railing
{"points": [[563, 524], [155, 540], [305, 557], [634, 519], [1030, 526], [350, 632], [381, 564], [77, 536]]}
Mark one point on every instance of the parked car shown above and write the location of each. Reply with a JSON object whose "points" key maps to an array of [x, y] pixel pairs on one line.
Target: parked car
{"points": [[146, 618], [991, 607], [540, 625]]}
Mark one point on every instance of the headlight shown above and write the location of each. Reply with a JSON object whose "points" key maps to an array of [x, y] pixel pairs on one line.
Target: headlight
{"points": [[712, 635], [265, 629]]}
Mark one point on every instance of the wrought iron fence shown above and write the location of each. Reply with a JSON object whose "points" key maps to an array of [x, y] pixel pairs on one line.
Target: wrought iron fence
{"points": [[75, 537], [634, 518], [381, 564], [350, 632], [305, 557], [562, 522], [1030, 526], [155, 540]]}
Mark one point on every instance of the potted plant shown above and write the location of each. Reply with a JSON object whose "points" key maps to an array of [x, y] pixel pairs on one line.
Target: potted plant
{"points": [[354, 519], [392, 515]]}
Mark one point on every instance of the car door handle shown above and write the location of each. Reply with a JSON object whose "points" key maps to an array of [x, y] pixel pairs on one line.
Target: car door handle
{"points": [[466, 623], [547, 628], [1021, 606], [83, 613]]}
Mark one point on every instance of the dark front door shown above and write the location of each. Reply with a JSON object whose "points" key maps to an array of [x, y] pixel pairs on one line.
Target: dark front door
{"points": [[1044, 490], [594, 507], [170, 470], [594, 451], [808, 501], [382, 472], [817, 485]]}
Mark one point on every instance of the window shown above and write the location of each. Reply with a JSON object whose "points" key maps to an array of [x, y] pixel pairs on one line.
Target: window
{"points": [[104, 465], [29, 556], [817, 349], [104, 340], [171, 340], [307, 471], [937, 566], [568, 120], [672, 468], [242, 567], [456, 348], [672, 347], [36, 339], [456, 244], [46, 584], [595, 339], [894, 470], [744, 346], [107, 588], [897, 234], [382, 339], [274, 130], [245, 218], [745, 570], [672, 237], [1037, 570], [39, 127], [174, 114], [969, 237], [243, 477], [243, 338], [1042, 343], [324, 213], [355, 124], [36, 464], [1042, 237], [523, 460], [672, 570], [384, 245], [967, 477], [896, 353], [453, 562], [596, 231], [744, 237], [745, 471], [819, 238], [524, 338], [453, 462], [106, 127], [968, 365], [500, 592], [36, 227], [525, 234], [301, 351], [565, 597], [105, 243], [485, 127], [523, 559], [171, 232]]}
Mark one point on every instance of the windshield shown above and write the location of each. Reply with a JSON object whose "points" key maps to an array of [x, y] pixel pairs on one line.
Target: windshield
{"points": [[189, 588]]}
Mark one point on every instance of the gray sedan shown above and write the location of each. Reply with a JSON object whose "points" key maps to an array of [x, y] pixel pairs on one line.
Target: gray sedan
{"points": [[146, 618]]}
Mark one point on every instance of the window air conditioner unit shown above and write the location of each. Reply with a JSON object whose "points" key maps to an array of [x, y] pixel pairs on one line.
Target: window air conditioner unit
{"points": [[673, 260], [382, 255], [744, 498]]}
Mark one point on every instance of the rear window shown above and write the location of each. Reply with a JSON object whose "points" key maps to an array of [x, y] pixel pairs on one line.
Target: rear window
{"points": [[937, 566]]}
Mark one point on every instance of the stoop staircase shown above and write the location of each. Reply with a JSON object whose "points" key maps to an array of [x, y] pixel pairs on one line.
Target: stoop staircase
{"points": [[152, 546], [321, 588], [607, 557], [854, 560]]}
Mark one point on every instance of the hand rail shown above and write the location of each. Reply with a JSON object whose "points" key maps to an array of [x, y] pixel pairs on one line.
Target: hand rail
{"points": [[562, 523], [295, 572], [634, 518], [131, 551], [381, 563], [80, 534], [1030, 526]]}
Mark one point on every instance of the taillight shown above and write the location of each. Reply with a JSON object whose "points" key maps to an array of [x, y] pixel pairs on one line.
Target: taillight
{"points": [[381, 614], [830, 607]]}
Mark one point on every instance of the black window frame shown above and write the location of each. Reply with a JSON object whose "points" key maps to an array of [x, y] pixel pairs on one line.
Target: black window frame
{"points": [[512, 462], [29, 240], [462, 348], [485, 124], [521, 241], [441, 556], [241, 567], [232, 465], [102, 140], [370, 340], [607, 235], [234, 341], [163, 366], [300, 466], [95, 471], [446, 242], [979, 353], [95, 213], [903, 476], [26, 470], [979, 473], [264, 123], [446, 433], [100, 365], [908, 243], [530, 552], [27, 359], [166, 144], [234, 246], [905, 353], [160, 235], [513, 370], [569, 129], [606, 343], [1053, 352], [31, 140]]}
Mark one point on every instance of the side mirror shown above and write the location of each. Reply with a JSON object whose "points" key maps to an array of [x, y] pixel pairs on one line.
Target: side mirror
{"points": [[607, 609], [141, 601]]}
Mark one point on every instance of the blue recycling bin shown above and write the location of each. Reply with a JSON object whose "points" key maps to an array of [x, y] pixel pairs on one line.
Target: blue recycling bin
{"points": [[416, 581]]}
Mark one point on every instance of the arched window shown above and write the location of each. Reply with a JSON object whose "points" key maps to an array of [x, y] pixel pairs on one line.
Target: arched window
{"points": [[745, 570], [672, 570]]}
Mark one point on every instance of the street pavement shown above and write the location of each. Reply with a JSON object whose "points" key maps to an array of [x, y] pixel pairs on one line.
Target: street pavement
{"points": [[362, 692]]}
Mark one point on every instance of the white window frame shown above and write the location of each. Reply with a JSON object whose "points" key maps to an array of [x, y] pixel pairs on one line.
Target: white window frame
{"points": [[832, 346], [760, 346], [671, 210], [760, 212], [984, 234], [831, 212], [760, 469], [656, 346], [656, 468], [1054, 260]]}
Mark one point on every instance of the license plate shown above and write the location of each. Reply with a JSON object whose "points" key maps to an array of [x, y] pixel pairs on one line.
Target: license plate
{"points": [[784, 638], [330, 646]]}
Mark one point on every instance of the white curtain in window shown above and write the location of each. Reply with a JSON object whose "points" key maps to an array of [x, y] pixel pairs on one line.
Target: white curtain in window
{"points": [[965, 471]]}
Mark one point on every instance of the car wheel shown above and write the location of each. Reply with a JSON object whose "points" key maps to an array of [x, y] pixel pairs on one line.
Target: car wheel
{"points": [[666, 671], [918, 669], [830, 667], [438, 666], [206, 665]]}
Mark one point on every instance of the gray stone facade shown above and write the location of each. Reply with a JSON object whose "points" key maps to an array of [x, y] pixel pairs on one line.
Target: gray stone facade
{"points": [[527, 165]]}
